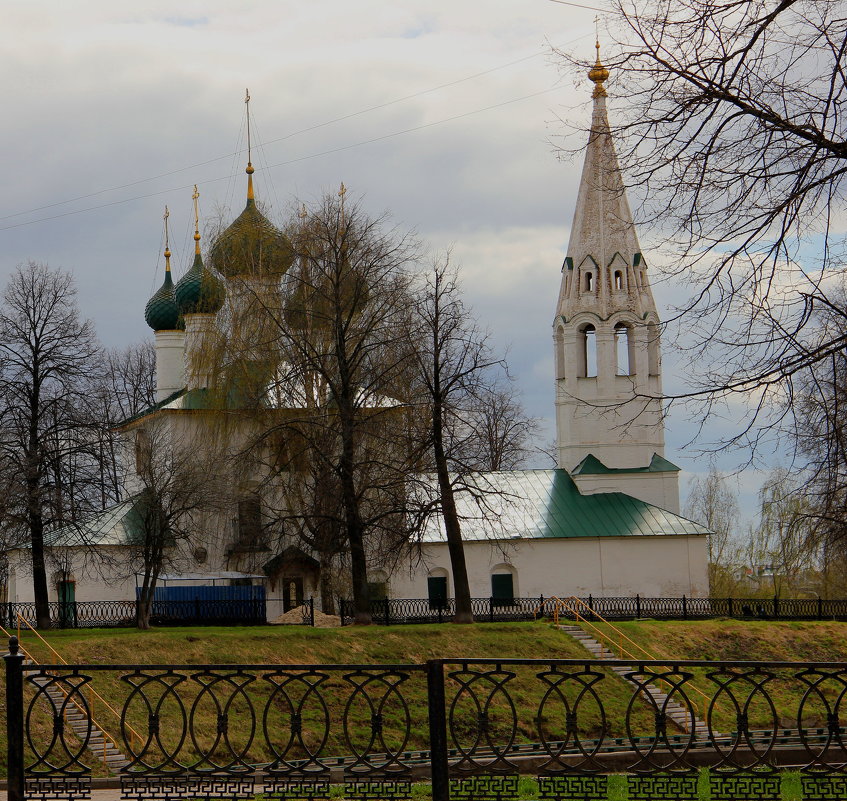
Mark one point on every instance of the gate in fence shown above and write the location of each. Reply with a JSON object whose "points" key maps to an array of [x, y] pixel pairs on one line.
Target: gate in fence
{"points": [[470, 727]]}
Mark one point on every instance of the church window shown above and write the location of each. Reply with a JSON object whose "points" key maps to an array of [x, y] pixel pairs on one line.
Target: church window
{"points": [[143, 451], [624, 350], [618, 280], [588, 352], [250, 531], [378, 586], [653, 349], [589, 282], [503, 585]]}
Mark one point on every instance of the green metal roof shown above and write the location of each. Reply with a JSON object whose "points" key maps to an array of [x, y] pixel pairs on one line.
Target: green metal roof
{"points": [[591, 465], [118, 525], [173, 401], [544, 504]]}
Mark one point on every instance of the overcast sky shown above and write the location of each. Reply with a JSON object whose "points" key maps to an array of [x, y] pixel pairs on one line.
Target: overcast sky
{"points": [[443, 114]]}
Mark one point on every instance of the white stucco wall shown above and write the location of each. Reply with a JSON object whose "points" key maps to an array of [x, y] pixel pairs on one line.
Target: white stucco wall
{"points": [[100, 576], [600, 566], [659, 489]]}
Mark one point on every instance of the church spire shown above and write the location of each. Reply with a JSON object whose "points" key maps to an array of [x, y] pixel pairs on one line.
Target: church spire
{"points": [[250, 196], [167, 249], [603, 230], [195, 197], [606, 329]]}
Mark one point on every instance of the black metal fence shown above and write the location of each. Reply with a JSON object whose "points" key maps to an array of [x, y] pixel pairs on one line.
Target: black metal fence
{"points": [[388, 611], [576, 729], [117, 614]]}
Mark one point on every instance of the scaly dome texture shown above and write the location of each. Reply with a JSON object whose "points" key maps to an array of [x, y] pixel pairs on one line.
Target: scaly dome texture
{"points": [[252, 247], [161, 312], [199, 291]]}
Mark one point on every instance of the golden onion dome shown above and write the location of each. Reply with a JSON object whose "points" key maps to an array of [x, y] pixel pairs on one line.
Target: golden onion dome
{"points": [[251, 247], [599, 74]]}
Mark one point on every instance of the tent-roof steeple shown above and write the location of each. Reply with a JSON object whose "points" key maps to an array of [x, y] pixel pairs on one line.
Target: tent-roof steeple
{"points": [[602, 223]]}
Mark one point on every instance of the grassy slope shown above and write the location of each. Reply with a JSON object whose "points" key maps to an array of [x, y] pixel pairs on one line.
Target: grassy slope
{"points": [[290, 645], [740, 640]]}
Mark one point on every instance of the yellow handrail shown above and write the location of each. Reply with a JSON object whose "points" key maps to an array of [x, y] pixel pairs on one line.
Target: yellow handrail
{"points": [[572, 605], [91, 690]]}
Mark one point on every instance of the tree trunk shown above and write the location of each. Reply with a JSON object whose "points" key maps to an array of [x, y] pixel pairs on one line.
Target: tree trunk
{"points": [[326, 588], [145, 598], [455, 546], [144, 605], [352, 517], [359, 575], [39, 573], [39, 570]]}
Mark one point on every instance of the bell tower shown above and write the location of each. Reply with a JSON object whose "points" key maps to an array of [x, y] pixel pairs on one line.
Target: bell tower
{"points": [[606, 329]]}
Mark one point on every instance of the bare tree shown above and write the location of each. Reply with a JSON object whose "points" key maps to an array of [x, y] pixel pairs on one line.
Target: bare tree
{"points": [[504, 430], [130, 379], [126, 387], [730, 123], [47, 358], [782, 540], [465, 426], [711, 502], [821, 439]]}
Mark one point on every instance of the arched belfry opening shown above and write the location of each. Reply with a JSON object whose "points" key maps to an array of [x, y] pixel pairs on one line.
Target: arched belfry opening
{"points": [[624, 350], [587, 351]]}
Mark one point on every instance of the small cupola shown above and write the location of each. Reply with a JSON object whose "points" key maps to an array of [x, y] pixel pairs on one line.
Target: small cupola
{"points": [[161, 312], [198, 291]]}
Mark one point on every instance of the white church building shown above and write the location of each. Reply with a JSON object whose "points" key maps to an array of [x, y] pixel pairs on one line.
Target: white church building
{"points": [[605, 522]]}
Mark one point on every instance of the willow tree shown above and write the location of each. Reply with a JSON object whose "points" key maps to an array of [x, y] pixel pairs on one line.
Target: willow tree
{"points": [[333, 374]]}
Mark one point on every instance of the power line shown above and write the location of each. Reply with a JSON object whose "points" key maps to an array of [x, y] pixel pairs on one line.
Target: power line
{"points": [[581, 5], [291, 135], [282, 163]]}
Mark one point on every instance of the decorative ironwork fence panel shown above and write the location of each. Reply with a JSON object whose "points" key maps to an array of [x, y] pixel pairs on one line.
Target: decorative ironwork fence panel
{"points": [[123, 614], [475, 729], [393, 611]]}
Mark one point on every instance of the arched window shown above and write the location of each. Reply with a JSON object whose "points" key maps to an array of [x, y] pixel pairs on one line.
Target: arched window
{"points": [[618, 280], [588, 352], [437, 588], [143, 451], [624, 350], [653, 359], [589, 282]]}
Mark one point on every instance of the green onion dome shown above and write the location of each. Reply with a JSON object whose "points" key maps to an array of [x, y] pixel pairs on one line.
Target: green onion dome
{"points": [[252, 247], [161, 312], [199, 291]]}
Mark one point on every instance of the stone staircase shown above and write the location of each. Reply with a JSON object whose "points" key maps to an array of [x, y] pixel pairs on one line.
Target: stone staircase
{"points": [[675, 711], [98, 743]]}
